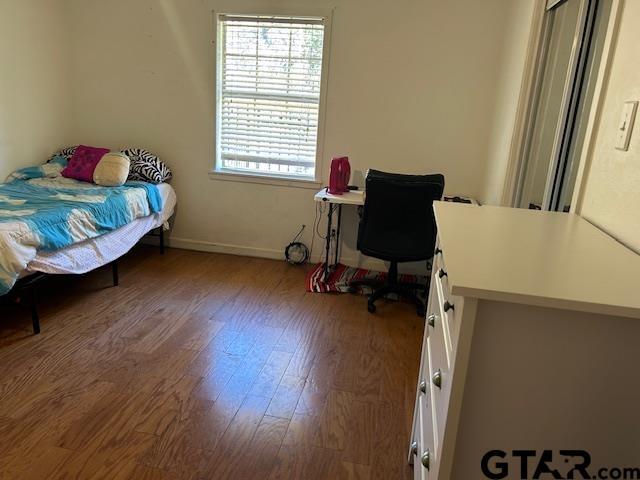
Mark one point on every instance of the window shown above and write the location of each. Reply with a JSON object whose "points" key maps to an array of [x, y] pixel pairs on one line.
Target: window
{"points": [[269, 80]]}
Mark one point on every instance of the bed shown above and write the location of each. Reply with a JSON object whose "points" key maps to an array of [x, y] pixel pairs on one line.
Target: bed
{"points": [[54, 225], [97, 252]]}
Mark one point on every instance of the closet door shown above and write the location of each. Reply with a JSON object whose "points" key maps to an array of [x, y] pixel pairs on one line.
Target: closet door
{"points": [[568, 166], [565, 50]]}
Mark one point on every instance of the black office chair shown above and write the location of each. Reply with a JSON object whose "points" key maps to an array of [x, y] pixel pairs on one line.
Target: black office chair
{"points": [[398, 225]]}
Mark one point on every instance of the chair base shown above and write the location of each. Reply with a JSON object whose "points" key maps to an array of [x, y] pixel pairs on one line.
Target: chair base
{"points": [[391, 285]]}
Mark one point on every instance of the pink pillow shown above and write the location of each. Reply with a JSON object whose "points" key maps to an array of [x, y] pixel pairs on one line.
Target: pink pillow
{"points": [[83, 163]]}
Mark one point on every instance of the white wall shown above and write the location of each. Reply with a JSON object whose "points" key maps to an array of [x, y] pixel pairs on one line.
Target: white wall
{"points": [[611, 196], [509, 83], [34, 83], [415, 86]]}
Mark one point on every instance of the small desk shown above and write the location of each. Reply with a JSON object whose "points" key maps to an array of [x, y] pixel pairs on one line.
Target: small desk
{"points": [[353, 197]]}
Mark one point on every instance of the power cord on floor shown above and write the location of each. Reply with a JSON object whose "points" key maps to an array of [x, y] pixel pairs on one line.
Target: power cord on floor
{"points": [[316, 224], [296, 252]]}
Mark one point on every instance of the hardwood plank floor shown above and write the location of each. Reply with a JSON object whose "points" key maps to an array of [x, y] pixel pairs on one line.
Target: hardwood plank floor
{"points": [[202, 366]]}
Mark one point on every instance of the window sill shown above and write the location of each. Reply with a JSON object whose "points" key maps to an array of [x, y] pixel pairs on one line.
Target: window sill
{"points": [[264, 180]]}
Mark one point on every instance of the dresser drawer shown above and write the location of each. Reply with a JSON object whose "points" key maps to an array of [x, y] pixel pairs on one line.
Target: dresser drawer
{"points": [[449, 306], [440, 271], [438, 263], [452, 317], [439, 354], [422, 386], [424, 459], [438, 381]]}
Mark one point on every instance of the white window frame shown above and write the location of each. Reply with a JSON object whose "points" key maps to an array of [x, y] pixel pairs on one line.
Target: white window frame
{"points": [[216, 173]]}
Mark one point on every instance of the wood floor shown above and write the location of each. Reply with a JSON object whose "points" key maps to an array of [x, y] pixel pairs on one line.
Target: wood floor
{"points": [[203, 366]]}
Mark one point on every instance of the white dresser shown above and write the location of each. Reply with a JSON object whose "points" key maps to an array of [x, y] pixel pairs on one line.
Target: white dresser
{"points": [[532, 342]]}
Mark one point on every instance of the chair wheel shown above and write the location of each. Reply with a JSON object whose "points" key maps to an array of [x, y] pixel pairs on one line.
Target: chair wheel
{"points": [[371, 307]]}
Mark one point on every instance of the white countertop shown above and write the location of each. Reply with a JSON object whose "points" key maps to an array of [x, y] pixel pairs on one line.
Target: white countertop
{"points": [[539, 258]]}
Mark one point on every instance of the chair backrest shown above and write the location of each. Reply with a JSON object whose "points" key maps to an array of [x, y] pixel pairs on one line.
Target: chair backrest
{"points": [[397, 221]]}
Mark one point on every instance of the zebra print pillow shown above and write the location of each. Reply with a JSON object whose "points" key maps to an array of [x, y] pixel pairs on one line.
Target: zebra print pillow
{"points": [[146, 166], [66, 152]]}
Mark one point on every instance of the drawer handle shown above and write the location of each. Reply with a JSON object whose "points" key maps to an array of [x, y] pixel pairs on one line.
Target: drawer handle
{"points": [[438, 251], [442, 273], [426, 460], [448, 306], [423, 386], [414, 448], [431, 320], [437, 379]]}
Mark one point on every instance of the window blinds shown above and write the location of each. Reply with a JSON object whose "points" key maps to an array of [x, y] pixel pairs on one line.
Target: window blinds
{"points": [[269, 94]]}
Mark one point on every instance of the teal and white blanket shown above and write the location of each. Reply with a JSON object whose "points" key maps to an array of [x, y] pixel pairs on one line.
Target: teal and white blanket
{"points": [[43, 211]]}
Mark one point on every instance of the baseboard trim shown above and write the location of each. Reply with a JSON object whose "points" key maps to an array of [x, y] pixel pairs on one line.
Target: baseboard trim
{"points": [[229, 249], [244, 251]]}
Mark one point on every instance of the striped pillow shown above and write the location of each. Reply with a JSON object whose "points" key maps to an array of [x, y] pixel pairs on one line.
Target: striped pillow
{"points": [[146, 167], [66, 152]]}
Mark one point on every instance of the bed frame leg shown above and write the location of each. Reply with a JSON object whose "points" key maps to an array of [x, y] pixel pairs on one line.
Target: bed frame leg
{"points": [[161, 240], [35, 318], [114, 270]]}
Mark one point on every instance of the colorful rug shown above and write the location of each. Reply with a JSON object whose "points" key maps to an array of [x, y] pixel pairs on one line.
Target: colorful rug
{"points": [[339, 279]]}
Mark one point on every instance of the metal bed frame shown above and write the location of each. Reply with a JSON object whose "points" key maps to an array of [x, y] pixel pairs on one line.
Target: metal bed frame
{"points": [[25, 291]]}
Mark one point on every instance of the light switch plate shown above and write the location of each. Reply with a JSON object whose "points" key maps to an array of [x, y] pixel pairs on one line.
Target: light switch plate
{"points": [[626, 125]]}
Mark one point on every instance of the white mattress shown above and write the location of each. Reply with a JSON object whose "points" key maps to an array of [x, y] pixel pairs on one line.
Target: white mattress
{"points": [[88, 255]]}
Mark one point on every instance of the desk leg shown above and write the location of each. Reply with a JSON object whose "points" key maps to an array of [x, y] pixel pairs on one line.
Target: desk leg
{"points": [[335, 262], [328, 242]]}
